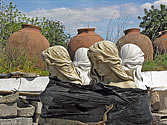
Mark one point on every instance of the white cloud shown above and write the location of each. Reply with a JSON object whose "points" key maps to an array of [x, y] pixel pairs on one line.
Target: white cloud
{"points": [[146, 5], [160, 2], [78, 18], [131, 9], [131, 22], [88, 17], [78, 15], [156, 4]]}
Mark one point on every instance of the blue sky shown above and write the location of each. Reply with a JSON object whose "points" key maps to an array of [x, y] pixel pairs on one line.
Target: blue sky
{"points": [[76, 14]]}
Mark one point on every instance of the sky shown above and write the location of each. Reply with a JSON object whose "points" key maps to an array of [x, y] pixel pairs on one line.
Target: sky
{"points": [[107, 16]]}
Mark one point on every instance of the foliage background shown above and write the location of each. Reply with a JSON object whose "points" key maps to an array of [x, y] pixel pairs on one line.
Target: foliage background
{"points": [[11, 20], [154, 21]]}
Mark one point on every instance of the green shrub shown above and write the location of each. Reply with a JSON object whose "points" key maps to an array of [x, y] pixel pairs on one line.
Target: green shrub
{"points": [[158, 64], [154, 21], [17, 60], [11, 20]]}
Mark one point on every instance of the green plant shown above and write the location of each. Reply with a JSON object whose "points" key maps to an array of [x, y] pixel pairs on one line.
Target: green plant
{"points": [[154, 21], [54, 31], [17, 60], [11, 20], [158, 64]]}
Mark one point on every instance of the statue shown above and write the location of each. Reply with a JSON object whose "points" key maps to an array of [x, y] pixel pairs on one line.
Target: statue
{"points": [[113, 100], [106, 66], [133, 58], [82, 65], [60, 65]]}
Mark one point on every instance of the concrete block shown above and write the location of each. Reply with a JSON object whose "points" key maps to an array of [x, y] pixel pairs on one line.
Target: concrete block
{"points": [[8, 110]]}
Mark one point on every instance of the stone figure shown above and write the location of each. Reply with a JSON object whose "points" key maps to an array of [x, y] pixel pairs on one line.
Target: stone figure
{"points": [[82, 65], [60, 65], [106, 66], [133, 58]]}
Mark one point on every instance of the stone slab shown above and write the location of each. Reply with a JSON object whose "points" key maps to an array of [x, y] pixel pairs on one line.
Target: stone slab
{"points": [[8, 110], [150, 78], [16, 121], [24, 121], [8, 121], [36, 84], [38, 107], [33, 84], [155, 78], [9, 84], [9, 98], [26, 111]]}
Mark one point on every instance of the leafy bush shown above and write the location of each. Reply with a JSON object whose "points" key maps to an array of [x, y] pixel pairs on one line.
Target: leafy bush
{"points": [[54, 32], [11, 20], [154, 21], [158, 64], [17, 60]]}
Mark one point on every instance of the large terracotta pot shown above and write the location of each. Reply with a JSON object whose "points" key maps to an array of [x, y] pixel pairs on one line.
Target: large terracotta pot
{"points": [[133, 36], [85, 38], [160, 43], [29, 39]]}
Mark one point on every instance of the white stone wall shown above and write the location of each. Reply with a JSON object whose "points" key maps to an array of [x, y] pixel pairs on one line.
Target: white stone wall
{"points": [[155, 78], [150, 78], [37, 84]]}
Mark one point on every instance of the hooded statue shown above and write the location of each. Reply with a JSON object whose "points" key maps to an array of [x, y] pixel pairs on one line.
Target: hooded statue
{"points": [[106, 66], [82, 65], [59, 64], [133, 58]]}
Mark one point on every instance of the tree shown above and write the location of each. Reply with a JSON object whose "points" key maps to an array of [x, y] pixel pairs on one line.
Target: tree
{"points": [[54, 31], [154, 21], [11, 20]]}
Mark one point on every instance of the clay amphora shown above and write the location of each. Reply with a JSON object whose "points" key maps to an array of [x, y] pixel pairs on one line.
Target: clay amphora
{"points": [[160, 43], [85, 38], [133, 36], [30, 39]]}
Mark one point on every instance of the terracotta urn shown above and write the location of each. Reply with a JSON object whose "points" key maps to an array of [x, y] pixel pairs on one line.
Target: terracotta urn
{"points": [[160, 43], [85, 38], [133, 36], [30, 40]]}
